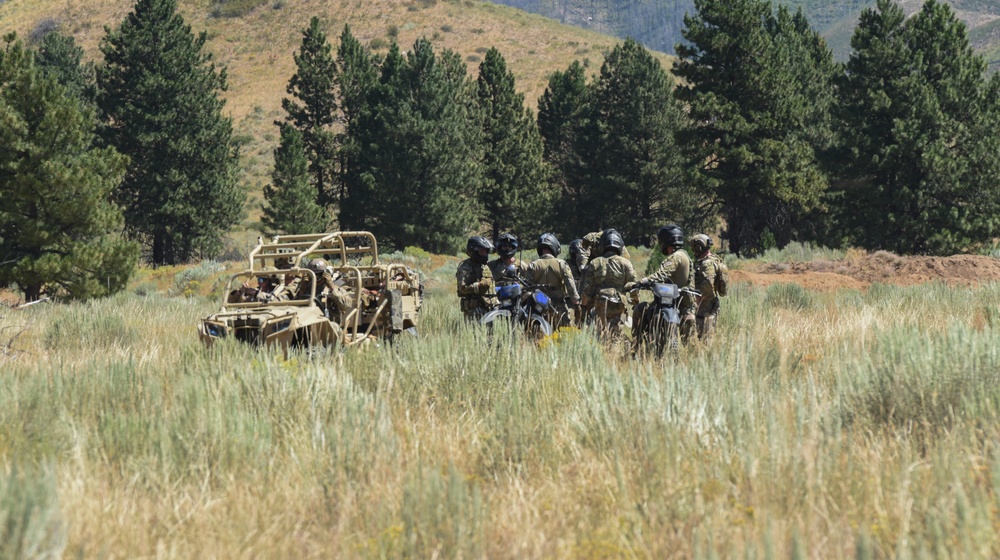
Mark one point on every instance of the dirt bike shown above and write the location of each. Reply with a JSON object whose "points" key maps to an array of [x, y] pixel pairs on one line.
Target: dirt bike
{"points": [[522, 307], [656, 324]]}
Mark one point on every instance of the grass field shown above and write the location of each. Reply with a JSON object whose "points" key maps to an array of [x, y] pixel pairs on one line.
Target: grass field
{"points": [[821, 425]]}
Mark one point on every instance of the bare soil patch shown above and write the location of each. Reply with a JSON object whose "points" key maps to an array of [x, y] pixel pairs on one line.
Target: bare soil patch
{"points": [[881, 266]]}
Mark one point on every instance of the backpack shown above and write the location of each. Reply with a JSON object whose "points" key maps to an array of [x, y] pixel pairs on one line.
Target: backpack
{"points": [[721, 283]]}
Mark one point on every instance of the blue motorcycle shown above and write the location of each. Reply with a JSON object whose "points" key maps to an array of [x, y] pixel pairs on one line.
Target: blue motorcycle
{"points": [[656, 324], [522, 307]]}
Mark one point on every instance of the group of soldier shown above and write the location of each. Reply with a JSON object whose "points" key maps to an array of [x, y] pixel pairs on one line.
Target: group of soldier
{"points": [[336, 299], [596, 281]]}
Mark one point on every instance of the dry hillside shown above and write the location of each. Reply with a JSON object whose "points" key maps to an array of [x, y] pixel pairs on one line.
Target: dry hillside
{"points": [[257, 47]]}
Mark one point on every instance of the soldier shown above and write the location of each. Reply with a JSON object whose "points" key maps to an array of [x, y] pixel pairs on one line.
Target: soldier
{"points": [[506, 268], [603, 284], [342, 299], [555, 278], [475, 279], [574, 259], [706, 267], [592, 243], [676, 269]]}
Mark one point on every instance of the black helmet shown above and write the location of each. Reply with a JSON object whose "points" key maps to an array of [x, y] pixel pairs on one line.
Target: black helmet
{"points": [[549, 240], [574, 249], [507, 245], [477, 243], [670, 235], [700, 243], [611, 240], [318, 266]]}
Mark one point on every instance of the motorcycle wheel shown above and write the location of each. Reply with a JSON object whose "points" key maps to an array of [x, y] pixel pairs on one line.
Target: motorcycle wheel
{"points": [[537, 328]]}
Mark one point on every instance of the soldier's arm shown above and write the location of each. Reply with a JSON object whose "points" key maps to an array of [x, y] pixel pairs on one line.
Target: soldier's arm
{"points": [[705, 282], [463, 279], [629, 272], [667, 268], [568, 282]]}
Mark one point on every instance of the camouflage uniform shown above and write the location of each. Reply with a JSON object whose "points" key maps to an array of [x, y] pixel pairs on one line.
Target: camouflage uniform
{"points": [[501, 273], [556, 280], [677, 269], [705, 270], [478, 297], [592, 242], [603, 289]]}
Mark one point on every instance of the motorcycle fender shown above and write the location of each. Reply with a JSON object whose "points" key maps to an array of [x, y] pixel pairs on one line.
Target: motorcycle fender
{"points": [[671, 315], [542, 324], [492, 316]]}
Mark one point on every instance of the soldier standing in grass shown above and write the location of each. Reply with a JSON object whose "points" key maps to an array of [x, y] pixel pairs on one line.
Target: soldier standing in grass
{"points": [[506, 268], [475, 279], [676, 269], [708, 271], [603, 284], [590, 245], [555, 278]]}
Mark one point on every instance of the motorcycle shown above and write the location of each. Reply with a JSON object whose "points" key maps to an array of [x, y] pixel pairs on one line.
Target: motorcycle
{"points": [[522, 306], [656, 324]]}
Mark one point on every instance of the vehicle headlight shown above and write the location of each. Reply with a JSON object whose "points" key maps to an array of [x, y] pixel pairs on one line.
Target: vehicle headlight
{"points": [[281, 325], [215, 330]]}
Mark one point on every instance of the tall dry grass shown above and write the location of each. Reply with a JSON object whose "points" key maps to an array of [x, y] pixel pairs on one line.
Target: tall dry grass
{"points": [[821, 425]]}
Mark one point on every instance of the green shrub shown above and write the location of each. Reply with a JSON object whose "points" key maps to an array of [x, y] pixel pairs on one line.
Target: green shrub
{"points": [[234, 8], [31, 524], [788, 296]]}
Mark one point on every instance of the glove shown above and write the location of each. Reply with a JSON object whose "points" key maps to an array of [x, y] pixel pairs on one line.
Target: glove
{"points": [[484, 287], [629, 286]]}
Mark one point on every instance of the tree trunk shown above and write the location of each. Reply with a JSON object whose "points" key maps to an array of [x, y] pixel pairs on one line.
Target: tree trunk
{"points": [[32, 292]]}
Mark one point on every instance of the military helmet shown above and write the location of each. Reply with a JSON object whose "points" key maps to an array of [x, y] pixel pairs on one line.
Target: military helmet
{"points": [[670, 235], [575, 247], [318, 266], [283, 263], [507, 245], [477, 243], [549, 240], [611, 240], [700, 243]]}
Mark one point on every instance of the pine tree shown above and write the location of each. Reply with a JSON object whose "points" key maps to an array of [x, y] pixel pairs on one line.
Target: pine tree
{"points": [[61, 58], [637, 173], [316, 109], [516, 193], [919, 119], [59, 232], [291, 198], [755, 85], [420, 152], [564, 121], [159, 98], [357, 78]]}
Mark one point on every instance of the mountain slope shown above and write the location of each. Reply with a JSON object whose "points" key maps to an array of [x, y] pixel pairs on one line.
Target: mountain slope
{"points": [[658, 23]]}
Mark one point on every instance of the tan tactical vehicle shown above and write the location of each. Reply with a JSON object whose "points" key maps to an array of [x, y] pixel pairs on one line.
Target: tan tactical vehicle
{"points": [[260, 309]]}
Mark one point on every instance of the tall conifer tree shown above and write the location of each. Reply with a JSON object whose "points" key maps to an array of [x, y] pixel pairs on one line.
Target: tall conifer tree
{"points": [[313, 106], [357, 78], [516, 192], [755, 86], [420, 162], [291, 199], [59, 231], [159, 94], [564, 121], [919, 119], [59, 56], [637, 176]]}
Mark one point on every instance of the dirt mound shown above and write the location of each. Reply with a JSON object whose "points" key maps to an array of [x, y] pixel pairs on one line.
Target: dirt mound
{"points": [[881, 266]]}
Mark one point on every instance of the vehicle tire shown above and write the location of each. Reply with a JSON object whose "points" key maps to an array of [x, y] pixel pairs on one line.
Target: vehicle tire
{"points": [[537, 328]]}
